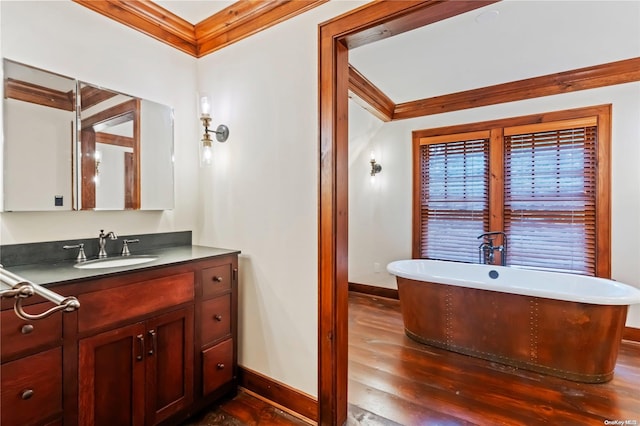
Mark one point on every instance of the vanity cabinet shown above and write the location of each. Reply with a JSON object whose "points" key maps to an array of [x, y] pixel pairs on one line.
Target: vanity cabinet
{"points": [[218, 323], [146, 360], [148, 365], [147, 347], [31, 370]]}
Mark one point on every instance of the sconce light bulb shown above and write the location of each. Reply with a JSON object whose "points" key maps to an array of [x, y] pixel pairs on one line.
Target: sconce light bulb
{"points": [[205, 107], [373, 156], [206, 154], [97, 155]]}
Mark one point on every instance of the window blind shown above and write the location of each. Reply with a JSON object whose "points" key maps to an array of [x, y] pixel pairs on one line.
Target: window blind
{"points": [[550, 199], [454, 198]]}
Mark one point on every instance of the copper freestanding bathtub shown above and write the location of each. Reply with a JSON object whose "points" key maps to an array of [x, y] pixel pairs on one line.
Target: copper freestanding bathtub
{"points": [[563, 325]]}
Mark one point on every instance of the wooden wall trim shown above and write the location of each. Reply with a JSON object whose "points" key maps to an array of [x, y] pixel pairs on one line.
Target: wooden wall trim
{"points": [[40, 95], [632, 334], [369, 96], [608, 74], [232, 24], [389, 293], [292, 399], [245, 18]]}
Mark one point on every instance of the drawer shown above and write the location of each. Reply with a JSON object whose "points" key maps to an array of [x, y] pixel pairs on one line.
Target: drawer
{"points": [[117, 304], [216, 280], [215, 319], [20, 336], [217, 366], [32, 388]]}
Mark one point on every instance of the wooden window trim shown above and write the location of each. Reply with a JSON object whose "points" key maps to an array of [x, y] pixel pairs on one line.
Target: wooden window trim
{"points": [[479, 134], [589, 116]]}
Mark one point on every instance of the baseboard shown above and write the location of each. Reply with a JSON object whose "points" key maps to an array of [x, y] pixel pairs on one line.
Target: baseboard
{"points": [[389, 293], [632, 334], [283, 395]]}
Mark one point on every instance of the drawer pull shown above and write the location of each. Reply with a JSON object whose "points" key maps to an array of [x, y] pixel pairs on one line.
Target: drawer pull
{"points": [[140, 339], [218, 317], [217, 279], [27, 394], [154, 343], [26, 329], [220, 366]]}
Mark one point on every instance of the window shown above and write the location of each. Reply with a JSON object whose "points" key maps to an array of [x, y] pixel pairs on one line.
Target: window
{"points": [[535, 178], [454, 197]]}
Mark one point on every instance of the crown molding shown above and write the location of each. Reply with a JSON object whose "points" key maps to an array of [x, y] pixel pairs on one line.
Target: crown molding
{"points": [[369, 96], [609, 74], [232, 24], [245, 18]]}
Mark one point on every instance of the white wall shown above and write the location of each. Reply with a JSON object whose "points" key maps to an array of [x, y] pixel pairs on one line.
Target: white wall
{"points": [[67, 38], [260, 194], [386, 208]]}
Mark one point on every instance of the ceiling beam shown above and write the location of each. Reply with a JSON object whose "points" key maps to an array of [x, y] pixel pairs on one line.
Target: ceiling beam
{"points": [[608, 74], [91, 95], [369, 96], [35, 94]]}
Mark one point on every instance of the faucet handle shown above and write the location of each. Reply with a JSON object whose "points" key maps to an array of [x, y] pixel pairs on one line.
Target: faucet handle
{"points": [[125, 246], [81, 256]]}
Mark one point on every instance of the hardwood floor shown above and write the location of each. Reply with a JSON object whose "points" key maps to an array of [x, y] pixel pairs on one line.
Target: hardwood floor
{"points": [[245, 410], [409, 383], [396, 381]]}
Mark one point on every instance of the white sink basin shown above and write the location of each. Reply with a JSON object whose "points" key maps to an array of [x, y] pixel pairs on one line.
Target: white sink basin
{"points": [[114, 262]]}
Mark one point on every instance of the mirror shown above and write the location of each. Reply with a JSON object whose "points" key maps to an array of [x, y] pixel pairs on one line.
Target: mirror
{"points": [[125, 151], [39, 116], [120, 158]]}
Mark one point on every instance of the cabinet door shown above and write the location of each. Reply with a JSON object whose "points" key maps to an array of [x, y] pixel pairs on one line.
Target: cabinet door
{"points": [[169, 364], [111, 377]]}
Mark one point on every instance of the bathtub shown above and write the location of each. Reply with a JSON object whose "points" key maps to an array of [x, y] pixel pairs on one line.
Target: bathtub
{"points": [[563, 325]]}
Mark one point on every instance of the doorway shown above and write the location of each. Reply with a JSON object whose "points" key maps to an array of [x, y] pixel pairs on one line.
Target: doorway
{"points": [[364, 25]]}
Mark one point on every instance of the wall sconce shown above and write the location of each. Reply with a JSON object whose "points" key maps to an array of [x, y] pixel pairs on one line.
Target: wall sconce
{"points": [[375, 167], [221, 132], [97, 155]]}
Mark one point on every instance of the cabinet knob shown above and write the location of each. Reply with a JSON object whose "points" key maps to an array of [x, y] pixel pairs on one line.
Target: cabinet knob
{"points": [[26, 329], [217, 279], [27, 394], [220, 366], [218, 317]]}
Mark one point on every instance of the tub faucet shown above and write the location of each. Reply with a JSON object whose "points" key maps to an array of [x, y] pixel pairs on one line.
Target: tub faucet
{"points": [[102, 241], [486, 250]]}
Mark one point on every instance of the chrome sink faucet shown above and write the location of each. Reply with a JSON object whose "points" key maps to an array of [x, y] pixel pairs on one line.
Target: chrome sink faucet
{"points": [[486, 250], [102, 241]]}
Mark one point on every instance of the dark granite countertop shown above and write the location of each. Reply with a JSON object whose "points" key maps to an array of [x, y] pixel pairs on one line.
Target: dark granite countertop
{"points": [[63, 272]]}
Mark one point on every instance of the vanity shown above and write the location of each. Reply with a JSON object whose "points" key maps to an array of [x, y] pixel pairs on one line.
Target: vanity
{"points": [[152, 343]]}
